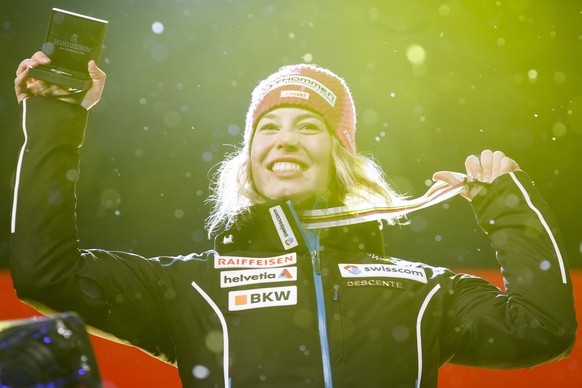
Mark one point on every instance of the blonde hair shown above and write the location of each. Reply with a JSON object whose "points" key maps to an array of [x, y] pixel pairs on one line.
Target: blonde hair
{"points": [[359, 180]]}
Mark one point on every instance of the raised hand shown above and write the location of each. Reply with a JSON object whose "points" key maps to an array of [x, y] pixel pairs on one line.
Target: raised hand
{"points": [[484, 169], [26, 87]]}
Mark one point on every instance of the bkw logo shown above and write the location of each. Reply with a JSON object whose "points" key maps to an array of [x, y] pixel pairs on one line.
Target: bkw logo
{"points": [[262, 297]]}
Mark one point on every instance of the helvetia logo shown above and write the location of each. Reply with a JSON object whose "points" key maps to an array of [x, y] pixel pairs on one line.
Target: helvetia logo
{"points": [[262, 297], [257, 276]]}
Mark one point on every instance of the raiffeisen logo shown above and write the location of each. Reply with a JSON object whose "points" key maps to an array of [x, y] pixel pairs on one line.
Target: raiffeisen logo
{"points": [[353, 269], [257, 276], [255, 262]]}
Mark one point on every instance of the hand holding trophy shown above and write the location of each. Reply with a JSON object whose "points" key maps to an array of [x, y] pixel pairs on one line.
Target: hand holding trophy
{"points": [[67, 67], [71, 42]]}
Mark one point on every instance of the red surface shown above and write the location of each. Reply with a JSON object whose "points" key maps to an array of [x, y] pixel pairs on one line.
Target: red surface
{"points": [[123, 366]]}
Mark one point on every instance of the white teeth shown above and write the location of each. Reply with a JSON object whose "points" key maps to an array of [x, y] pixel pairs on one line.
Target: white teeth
{"points": [[286, 167]]}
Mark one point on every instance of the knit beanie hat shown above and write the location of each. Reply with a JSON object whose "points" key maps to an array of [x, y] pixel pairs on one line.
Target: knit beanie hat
{"points": [[311, 87]]}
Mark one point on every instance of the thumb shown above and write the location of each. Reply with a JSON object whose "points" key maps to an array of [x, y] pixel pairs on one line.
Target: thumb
{"points": [[95, 91], [472, 186], [447, 177], [453, 178], [97, 75]]}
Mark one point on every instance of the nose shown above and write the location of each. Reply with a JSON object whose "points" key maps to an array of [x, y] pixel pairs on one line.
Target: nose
{"points": [[288, 139]]}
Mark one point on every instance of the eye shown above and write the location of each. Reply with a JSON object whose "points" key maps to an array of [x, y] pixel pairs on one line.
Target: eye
{"points": [[268, 127], [310, 127]]}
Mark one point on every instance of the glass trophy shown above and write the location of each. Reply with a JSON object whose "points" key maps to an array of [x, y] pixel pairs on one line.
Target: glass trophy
{"points": [[71, 42]]}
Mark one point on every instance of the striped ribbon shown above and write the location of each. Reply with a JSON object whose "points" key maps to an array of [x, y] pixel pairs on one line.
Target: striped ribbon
{"points": [[344, 215]]}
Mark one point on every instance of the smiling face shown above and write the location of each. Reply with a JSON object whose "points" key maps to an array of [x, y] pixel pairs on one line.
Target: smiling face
{"points": [[291, 156]]}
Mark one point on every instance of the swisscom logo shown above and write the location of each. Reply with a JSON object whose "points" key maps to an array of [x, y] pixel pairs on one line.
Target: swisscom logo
{"points": [[353, 269], [382, 271]]}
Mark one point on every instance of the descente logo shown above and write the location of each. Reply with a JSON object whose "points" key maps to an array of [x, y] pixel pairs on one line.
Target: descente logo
{"points": [[382, 270], [262, 297]]}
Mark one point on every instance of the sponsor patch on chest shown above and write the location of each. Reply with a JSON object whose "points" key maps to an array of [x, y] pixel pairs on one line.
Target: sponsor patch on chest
{"points": [[283, 227], [256, 276], [262, 297], [255, 262], [376, 283], [382, 271]]}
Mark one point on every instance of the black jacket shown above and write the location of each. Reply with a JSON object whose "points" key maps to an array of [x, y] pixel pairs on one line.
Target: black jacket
{"points": [[276, 305]]}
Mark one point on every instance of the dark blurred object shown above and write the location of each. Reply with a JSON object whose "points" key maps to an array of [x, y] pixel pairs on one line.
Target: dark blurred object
{"points": [[47, 352], [72, 41]]}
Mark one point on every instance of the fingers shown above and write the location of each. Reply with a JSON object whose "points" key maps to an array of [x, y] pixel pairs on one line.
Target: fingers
{"points": [[23, 66], [484, 168], [39, 58], [20, 82], [23, 84], [508, 165], [473, 167], [489, 165], [486, 165], [20, 86], [498, 157], [97, 75], [446, 176], [453, 178]]}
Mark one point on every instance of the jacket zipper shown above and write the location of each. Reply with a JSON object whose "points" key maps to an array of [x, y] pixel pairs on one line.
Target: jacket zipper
{"points": [[312, 241], [335, 292], [321, 317], [316, 262]]}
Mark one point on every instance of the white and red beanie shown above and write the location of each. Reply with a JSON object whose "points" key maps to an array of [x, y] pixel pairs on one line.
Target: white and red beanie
{"points": [[311, 87]]}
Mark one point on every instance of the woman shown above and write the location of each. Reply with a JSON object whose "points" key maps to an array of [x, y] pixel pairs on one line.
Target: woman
{"points": [[281, 300]]}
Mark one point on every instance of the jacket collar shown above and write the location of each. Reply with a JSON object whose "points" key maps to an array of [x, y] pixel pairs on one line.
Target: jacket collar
{"points": [[274, 227]]}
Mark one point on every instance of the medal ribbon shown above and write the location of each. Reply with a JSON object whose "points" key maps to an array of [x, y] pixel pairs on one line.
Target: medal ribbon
{"points": [[345, 215]]}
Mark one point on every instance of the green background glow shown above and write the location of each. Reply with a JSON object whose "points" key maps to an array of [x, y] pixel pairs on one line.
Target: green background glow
{"points": [[433, 83]]}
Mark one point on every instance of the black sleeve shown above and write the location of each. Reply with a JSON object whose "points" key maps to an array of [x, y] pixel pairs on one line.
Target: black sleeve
{"points": [[115, 292], [533, 320]]}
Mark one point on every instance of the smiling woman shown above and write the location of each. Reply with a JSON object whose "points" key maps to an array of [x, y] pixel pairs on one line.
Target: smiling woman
{"points": [[291, 156], [293, 115], [280, 300]]}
